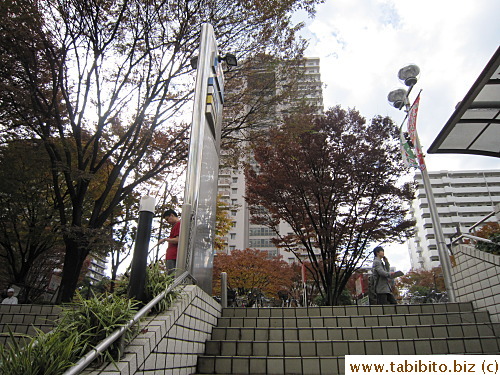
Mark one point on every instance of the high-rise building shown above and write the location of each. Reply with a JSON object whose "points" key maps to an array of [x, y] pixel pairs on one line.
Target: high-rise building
{"points": [[232, 183], [462, 198], [97, 269]]}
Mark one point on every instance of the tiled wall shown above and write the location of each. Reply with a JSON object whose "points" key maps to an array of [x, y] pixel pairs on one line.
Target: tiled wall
{"points": [[476, 278], [170, 343]]}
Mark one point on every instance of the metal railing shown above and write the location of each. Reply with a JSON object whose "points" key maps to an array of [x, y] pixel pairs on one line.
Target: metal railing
{"points": [[223, 289], [100, 348], [471, 237], [472, 229]]}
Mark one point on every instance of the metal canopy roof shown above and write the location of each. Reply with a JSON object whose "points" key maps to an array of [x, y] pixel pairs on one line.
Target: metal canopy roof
{"points": [[474, 127]]}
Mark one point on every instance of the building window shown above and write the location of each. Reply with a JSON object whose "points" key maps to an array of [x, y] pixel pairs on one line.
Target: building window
{"points": [[261, 232], [234, 190], [262, 242], [233, 213], [235, 180], [233, 236], [233, 224], [231, 248], [272, 254], [434, 258]]}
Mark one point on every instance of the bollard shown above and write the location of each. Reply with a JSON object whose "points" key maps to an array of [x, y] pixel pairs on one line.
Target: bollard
{"points": [[223, 289], [140, 259]]}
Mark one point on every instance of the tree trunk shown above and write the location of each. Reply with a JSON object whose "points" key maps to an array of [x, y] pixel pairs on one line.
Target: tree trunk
{"points": [[73, 262]]}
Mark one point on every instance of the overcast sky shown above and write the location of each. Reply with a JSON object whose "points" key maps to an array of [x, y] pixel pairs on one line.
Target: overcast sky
{"points": [[363, 44]]}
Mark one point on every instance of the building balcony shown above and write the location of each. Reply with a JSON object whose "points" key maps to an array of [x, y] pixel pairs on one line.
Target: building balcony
{"points": [[224, 182], [225, 193]]}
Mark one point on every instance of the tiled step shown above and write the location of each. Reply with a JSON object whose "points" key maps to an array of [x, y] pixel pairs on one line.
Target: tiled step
{"points": [[315, 340], [20, 331], [347, 310], [28, 318], [24, 320], [392, 320], [357, 333], [30, 309], [25, 329], [271, 366], [321, 348]]}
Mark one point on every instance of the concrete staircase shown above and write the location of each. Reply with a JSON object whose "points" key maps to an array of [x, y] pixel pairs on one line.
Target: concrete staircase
{"points": [[23, 320], [315, 340]]}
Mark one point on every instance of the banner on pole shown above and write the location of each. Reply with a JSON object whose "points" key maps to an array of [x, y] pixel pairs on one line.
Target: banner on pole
{"points": [[412, 131], [407, 153]]}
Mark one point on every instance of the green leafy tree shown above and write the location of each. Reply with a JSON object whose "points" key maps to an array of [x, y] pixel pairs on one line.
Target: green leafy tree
{"points": [[335, 180], [108, 79]]}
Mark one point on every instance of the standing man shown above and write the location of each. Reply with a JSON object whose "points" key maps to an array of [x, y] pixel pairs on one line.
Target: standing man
{"points": [[383, 278], [10, 300], [173, 239]]}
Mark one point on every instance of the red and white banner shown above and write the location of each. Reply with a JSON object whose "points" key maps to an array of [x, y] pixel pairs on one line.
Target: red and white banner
{"points": [[412, 131]]}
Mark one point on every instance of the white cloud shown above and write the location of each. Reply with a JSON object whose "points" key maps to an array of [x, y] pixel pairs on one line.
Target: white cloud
{"points": [[363, 43]]}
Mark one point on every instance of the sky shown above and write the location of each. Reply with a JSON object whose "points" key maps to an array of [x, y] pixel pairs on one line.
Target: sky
{"points": [[362, 45]]}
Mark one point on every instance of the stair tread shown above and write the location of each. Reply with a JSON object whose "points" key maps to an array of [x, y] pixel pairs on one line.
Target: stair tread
{"points": [[349, 309], [355, 340], [363, 327], [351, 316]]}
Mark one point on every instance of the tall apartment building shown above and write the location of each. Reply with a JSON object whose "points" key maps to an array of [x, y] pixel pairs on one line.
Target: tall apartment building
{"points": [[462, 198], [243, 234], [97, 269]]}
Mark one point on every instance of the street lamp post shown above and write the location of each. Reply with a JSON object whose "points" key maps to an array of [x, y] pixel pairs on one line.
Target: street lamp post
{"points": [[399, 99]]}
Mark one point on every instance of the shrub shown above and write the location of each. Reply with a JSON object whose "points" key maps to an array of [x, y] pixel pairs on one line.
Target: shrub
{"points": [[82, 325], [493, 248], [47, 354]]}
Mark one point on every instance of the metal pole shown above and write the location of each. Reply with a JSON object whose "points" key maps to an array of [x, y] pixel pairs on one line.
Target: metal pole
{"points": [[444, 258], [194, 167], [139, 261], [223, 289], [304, 290]]}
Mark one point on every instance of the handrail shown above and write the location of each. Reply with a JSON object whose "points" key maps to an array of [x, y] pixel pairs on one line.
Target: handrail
{"points": [[472, 238], [108, 341], [481, 221]]}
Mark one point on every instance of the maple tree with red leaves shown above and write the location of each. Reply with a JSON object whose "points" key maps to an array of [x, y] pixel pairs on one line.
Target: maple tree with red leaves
{"points": [[335, 179], [490, 231], [251, 270], [422, 281]]}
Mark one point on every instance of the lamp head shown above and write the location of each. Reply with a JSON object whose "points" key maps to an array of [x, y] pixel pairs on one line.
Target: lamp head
{"points": [[194, 62], [409, 74], [230, 59], [397, 98]]}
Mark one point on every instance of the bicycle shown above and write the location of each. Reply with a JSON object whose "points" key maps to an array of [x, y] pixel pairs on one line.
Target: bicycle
{"points": [[436, 297]]}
